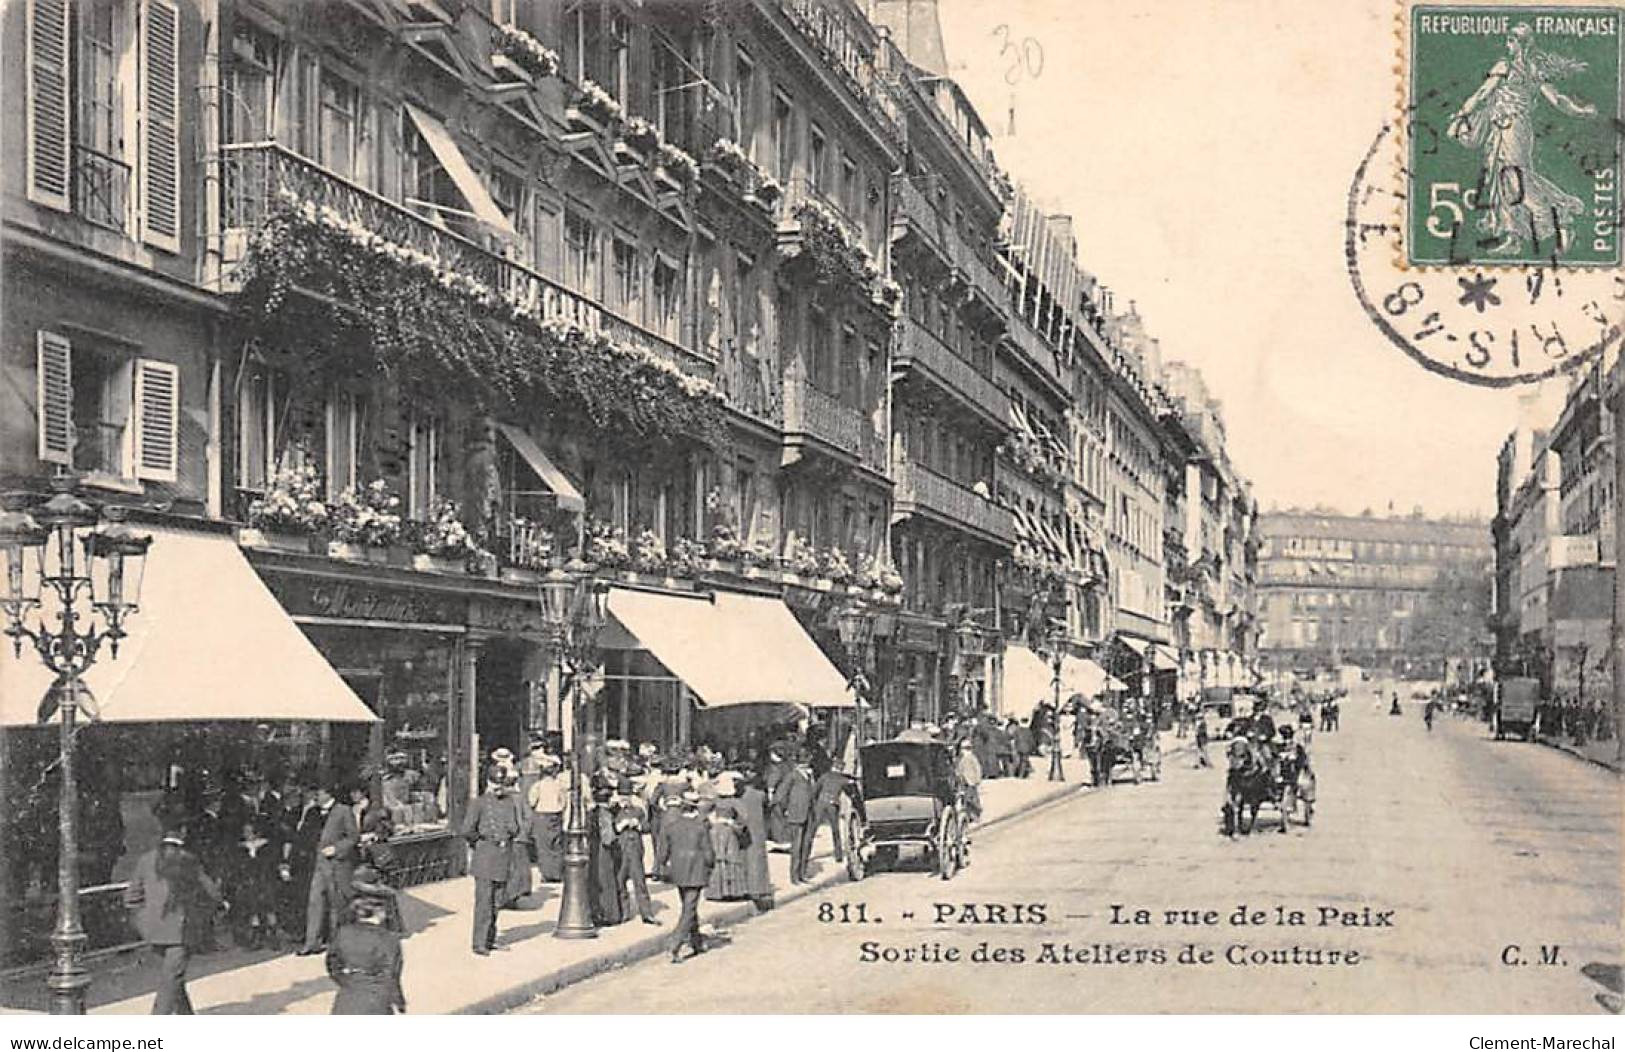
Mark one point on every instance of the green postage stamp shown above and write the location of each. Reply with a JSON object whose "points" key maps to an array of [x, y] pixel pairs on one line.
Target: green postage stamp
{"points": [[1513, 128]]}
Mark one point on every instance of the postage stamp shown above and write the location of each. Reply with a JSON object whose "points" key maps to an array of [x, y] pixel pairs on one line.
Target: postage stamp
{"points": [[1514, 135]]}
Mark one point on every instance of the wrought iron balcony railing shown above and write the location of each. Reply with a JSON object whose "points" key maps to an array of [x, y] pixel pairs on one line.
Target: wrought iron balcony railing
{"points": [[254, 175], [810, 412], [863, 72], [921, 349], [918, 487], [101, 189], [752, 388], [914, 208]]}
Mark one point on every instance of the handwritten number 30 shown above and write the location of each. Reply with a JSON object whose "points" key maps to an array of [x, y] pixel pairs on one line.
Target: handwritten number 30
{"points": [[1028, 59]]}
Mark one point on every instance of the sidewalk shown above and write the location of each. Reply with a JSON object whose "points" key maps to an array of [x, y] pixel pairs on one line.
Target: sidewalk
{"points": [[529, 962], [1600, 753]]}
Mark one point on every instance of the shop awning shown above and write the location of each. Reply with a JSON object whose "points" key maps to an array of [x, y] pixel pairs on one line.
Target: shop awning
{"points": [[210, 643], [456, 165], [1163, 659], [732, 649], [1027, 681], [569, 497], [1137, 645], [1085, 676]]}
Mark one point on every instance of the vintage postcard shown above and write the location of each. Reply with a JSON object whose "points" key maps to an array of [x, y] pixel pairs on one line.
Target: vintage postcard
{"points": [[553, 507]]}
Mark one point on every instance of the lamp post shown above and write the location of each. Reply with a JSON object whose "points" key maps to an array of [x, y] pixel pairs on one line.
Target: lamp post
{"points": [[38, 552], [574, 608], [967, 634], [855, 624], [1056, 641]]}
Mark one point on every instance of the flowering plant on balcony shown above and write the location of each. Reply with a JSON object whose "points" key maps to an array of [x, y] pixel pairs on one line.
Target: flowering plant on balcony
{"points": [[866, 573], [832, 563], [649, 552], [837, 255], [733, 161], [597, 104], [677, 163], [642, 136], [530, 544], [768, 191], [434, 328], [800, 558], [606, 545], [442, 532], [292, 502], [687, 557], [367, 515], [758, 552], [525, 51], [891, 582], [889, 294]]}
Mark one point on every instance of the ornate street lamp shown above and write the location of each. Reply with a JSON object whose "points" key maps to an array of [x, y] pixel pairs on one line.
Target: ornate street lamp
{"points": [[1056, 640], [38, 549], [574, 610], [855, 624], [967, 635]]}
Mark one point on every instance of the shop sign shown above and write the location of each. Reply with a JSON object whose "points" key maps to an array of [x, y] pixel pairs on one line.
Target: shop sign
{"points": [[506, 617], [351, 601]]}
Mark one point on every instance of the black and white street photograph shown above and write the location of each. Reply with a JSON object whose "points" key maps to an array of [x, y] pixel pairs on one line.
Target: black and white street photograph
{"points": [[547, 508]]}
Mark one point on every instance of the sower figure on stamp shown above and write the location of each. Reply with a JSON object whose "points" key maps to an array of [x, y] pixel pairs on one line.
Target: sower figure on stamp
{"points": [[686, 856]]}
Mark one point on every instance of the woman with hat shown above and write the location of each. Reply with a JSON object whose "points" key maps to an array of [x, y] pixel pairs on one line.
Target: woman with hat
{"points": [[609, 893], [365, 960], [173, 900], [547, 798], [728, 835]]}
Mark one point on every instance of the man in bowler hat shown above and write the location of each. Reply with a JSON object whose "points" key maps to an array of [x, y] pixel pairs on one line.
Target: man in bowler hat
{"points": [[687, 858]]}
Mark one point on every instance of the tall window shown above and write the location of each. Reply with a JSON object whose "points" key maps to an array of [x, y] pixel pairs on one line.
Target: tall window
{"points": [[784, 142], [256, 427], [628, 279], [818, 350], [344, 431], [580, 254], [850, 198], [101, 176], [422, 464], [337, 119], [668, 297], [247, 104], [744, 101], [618, 41], [818, 157]]}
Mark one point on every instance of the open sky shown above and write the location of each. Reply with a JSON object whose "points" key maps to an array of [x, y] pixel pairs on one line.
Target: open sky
{"points": [[1205, 149]]}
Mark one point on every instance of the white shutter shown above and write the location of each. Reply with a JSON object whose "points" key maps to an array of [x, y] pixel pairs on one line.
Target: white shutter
{"points": [[157, 419], [160, 174], [55, 403], [47, 102]]}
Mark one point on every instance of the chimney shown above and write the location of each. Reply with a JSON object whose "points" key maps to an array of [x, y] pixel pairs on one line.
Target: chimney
{"points": [[916, 29]]}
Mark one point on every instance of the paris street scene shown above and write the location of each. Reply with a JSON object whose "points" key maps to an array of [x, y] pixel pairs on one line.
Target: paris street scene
{"points": [[810, 506]]}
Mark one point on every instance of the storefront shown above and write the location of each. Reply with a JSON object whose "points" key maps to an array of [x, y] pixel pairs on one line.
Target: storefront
{"points": [[452, 668], [212, 677]]}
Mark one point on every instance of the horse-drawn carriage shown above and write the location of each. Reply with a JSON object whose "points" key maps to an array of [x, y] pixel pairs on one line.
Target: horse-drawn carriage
{"points": [[911, 798], [1131, 743], [1259, 775]]}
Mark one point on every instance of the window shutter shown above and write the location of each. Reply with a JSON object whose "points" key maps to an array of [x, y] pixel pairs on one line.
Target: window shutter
{"points": [[160, 125], [47, 103], [55, 405], [157, 419]]}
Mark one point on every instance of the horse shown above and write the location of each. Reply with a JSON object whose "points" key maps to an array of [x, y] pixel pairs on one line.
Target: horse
{"points": [[1249, 782]]}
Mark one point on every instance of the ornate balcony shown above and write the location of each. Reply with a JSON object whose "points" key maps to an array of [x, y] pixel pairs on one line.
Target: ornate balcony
{"points": [[810, 414], [254, 176], [917, 217], [921, 490], [923, 354]]}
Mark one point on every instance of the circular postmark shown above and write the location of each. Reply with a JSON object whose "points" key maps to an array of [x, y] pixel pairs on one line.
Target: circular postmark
{"points": [[1492, 325]]}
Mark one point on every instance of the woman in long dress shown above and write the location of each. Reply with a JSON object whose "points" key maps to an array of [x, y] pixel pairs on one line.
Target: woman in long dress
{"points": [[1498, 121], [609, 893], [751, 808], [727, 828]]}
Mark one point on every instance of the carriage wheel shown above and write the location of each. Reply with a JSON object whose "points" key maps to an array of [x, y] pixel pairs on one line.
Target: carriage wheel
{"points": [[949, 845], [855, 868]]}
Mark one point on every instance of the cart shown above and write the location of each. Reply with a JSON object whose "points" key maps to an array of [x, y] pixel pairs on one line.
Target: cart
{"points": [[910, 800]]}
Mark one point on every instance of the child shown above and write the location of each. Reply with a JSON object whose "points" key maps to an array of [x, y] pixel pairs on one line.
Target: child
{"points": [[251, 868]]}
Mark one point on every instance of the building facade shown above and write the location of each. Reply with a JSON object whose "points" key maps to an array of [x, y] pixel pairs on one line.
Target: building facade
{"points": [[1402, 595], [1555, 545]]}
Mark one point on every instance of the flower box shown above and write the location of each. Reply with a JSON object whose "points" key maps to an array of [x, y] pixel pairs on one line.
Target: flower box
{"points": [[667, 180], [793, 578], [503, 64], [345, 550], [824, 584], [581, 120], [439, 563], [627, 154], [375, 555], [754, 572], [399, 555]]}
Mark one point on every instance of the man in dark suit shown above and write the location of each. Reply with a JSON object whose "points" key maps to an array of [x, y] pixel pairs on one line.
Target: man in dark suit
{"points": [[827, 793], [171, 899], [492, 827], [798, 795], [687, 857], [333, 864]]}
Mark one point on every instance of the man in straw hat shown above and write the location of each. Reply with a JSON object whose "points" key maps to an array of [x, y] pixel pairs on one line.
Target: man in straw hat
{"points": [[687, 857]]}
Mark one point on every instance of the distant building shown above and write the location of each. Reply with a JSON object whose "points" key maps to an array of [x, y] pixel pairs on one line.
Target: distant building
{"points": [[1554, 545], [1408, 595]]}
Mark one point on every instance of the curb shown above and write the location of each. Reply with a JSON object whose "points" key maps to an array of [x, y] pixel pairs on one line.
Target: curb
{"points": [[734, 914], [1578, 755]]}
